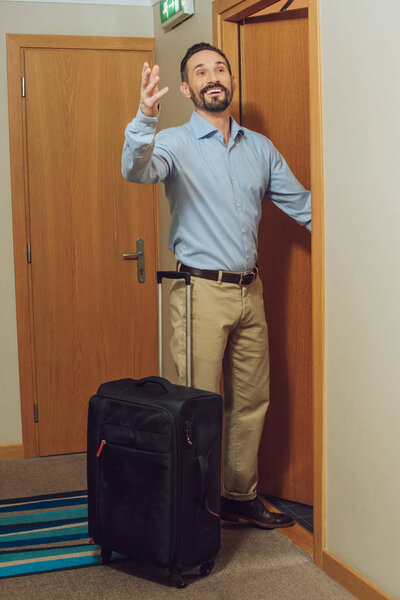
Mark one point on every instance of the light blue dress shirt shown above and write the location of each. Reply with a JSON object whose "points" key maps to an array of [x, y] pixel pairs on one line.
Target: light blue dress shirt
{"points": [[215, 191]]}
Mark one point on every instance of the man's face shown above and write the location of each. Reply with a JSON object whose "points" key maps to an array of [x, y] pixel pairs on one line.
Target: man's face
{"points": [[210, 86]]}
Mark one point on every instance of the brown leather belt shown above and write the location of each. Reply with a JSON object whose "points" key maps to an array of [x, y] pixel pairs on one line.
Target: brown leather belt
{"points": [[223, 276]]}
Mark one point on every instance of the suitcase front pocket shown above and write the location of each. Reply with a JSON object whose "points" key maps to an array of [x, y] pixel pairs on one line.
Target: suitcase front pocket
{"points": [[135, 502]]}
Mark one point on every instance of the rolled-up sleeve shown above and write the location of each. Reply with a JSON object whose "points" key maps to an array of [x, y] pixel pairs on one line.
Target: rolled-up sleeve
{"points": [[143, 159], [286, 192]]}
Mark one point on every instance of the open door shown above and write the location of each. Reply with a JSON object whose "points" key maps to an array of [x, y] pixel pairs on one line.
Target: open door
{"points": [[275, 102]]}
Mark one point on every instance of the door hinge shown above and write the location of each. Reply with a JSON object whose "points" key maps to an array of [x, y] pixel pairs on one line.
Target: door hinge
{"points": [[23, 90], [28, 252], [36, 412]]}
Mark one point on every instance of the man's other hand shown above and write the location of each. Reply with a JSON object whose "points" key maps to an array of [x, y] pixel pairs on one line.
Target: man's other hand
{"points": [[149, 92]]}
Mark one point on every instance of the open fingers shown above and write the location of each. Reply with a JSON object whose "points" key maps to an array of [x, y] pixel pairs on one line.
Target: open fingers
{"points": [[152, 101], [151, 87], [146, 72], [159, 94], [149, 74], [155, 72], [150, 94]]}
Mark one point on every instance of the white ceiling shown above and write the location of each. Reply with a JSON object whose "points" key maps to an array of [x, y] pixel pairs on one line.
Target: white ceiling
{"points": [[111, 2]]}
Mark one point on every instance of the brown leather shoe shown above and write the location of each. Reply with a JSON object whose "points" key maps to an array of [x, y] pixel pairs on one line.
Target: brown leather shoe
{"points": [[253, 511]]}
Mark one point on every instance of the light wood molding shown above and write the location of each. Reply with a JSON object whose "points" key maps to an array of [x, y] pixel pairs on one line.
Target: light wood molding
{"points": [[231, 36], [11, 451], [318, 280], [297, 4], [81, 42], [232, 10], [20, 237], [278, 16], [351, 580]]}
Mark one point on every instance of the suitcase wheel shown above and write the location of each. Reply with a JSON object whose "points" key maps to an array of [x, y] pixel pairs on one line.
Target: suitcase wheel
{"points": [[105, 556], [177, 578], [207, 567]]}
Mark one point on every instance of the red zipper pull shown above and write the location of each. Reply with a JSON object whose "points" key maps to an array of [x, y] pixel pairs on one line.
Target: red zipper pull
{"points": [[100, 450]]}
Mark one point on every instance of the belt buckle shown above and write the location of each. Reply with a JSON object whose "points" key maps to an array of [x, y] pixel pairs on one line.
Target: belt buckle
{"points": [[247, 278]]}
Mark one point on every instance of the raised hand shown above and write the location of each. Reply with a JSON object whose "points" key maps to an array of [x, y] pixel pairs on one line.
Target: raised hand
{"points": [[149, 92]]}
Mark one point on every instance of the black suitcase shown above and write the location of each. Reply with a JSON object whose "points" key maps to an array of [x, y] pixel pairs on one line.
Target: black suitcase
{"points": [[153, 466]]}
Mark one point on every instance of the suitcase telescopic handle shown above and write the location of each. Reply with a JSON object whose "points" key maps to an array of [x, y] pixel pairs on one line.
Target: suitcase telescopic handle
{"points": [[175, 275]]}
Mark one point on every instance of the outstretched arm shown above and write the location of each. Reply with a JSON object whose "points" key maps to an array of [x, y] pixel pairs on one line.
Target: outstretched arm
{"points": [[287, 193], [142, 161]]}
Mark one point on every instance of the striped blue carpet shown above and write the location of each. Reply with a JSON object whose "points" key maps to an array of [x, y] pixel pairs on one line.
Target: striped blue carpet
{"points": [[46, 533]]}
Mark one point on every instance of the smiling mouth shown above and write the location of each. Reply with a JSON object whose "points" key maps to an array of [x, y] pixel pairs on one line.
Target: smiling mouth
{"points": [[214, 91]]}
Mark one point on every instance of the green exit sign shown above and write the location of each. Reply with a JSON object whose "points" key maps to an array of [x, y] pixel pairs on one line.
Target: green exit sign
{"points": [[173, 12], [170, 8]]}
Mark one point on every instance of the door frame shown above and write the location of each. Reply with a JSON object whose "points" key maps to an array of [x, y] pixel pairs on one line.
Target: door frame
{"points": [[227, 14], [16, 43]]}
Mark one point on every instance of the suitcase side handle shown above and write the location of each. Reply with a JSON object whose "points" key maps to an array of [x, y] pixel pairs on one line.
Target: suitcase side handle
{"points": [[204, 478], [168, 387]]}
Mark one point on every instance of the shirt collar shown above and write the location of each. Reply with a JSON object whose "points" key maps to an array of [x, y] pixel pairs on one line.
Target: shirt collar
{"points": [[202, 127]]}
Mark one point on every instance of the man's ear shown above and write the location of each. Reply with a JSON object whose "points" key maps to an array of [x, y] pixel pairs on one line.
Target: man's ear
{"points": [[234, 83], [185, 90]]}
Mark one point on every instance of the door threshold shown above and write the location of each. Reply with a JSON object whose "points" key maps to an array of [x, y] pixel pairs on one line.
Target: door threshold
{"points": [[296, 534]]}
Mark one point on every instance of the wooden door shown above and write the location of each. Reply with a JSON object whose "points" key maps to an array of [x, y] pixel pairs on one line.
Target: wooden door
{"points": [[275, 102], [92, 320]]}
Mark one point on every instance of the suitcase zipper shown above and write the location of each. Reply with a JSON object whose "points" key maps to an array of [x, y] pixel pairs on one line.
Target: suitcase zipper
{"points": [[100, 450], [188, 432]]}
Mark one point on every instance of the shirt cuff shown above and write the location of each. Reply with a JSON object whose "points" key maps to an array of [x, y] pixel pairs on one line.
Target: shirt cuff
{"points": [[147, 120], [141, 128]]}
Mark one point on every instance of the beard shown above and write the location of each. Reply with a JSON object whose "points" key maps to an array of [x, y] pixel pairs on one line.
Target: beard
{"points": [[210, 103]]}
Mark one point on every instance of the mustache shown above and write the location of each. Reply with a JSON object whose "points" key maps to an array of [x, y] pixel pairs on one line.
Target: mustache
{"points": [[211, 86]]}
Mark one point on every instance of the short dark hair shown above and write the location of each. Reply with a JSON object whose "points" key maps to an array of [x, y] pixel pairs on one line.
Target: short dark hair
{"points": [[198, 48]]}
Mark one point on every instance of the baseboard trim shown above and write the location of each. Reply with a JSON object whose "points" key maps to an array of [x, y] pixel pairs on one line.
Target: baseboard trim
{"points": [[351, 580], [296, 534], [11, 451]]}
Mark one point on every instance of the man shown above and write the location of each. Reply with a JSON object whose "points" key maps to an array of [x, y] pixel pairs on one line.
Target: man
{"points": [[216, 174]]}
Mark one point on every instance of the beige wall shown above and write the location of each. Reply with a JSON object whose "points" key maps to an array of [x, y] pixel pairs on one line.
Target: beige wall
{"points": [[361, 99], [67, 19], [176, 110]]}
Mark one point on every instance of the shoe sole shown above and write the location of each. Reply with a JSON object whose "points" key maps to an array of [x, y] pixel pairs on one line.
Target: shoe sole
{"points": [[259, 524]]}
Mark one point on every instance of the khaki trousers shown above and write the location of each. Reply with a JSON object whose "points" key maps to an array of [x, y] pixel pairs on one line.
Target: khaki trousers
{"points": [[229, 334]]}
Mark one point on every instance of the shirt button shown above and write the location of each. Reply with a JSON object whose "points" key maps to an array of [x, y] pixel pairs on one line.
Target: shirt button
{"points": [[233, 177]]}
